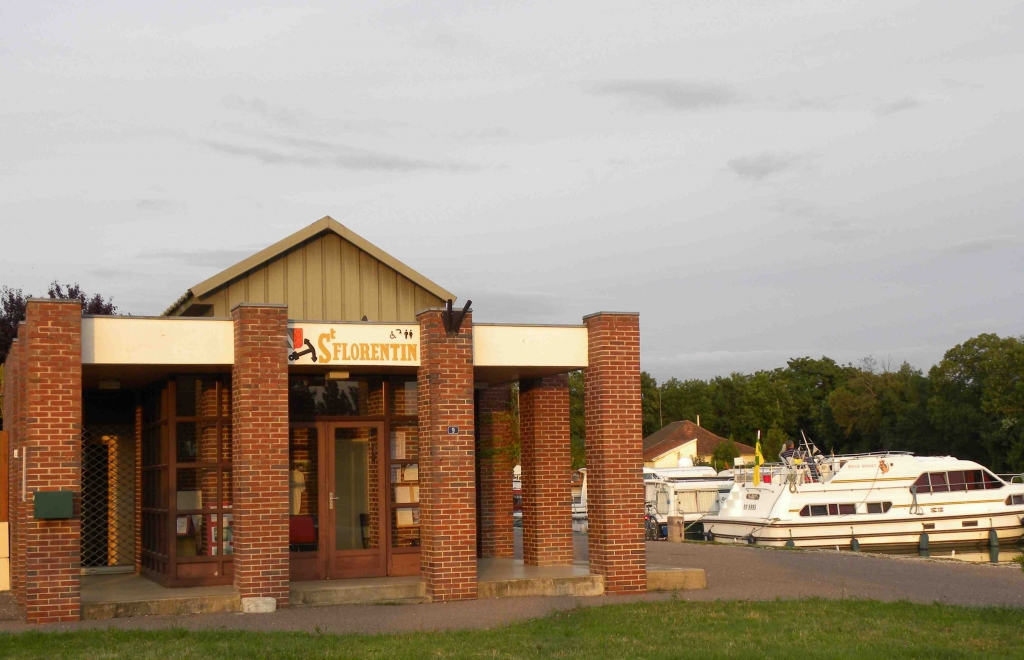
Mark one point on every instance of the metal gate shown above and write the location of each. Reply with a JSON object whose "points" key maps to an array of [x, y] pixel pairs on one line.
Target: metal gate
{"points": [[108, 498]]}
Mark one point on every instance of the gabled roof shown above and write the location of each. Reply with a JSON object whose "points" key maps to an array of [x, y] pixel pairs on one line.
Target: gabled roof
{"points": [[679, 433], [321, 226]]}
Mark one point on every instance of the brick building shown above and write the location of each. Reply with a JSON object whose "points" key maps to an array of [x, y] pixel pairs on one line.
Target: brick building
{"points": [[312, 413]]}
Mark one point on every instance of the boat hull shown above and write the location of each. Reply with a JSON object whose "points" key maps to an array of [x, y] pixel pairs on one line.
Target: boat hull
{"points": [[895, 534]]}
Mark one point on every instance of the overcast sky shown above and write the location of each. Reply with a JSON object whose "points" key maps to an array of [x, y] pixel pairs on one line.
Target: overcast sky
{"points": [[759, 180]]}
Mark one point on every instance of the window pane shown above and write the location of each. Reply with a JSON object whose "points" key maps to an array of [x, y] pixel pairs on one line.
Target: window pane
{"points": [[154, 443], [874, 507], [806, 511], [405, 484], [198, 535], [991, 481], [196, 489], [225, 442], [154, 488], [195, 396], [922, 484], [196, 442], [405, 527], [847, 509], [405, 442], [819, 510], [958, 480], [310, 396], [938, 480], [403, 396], [303, 490], [833, 509], [227, 493]]}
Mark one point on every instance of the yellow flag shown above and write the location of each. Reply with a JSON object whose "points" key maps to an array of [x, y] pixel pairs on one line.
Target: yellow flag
{"points": [[758, 462]]}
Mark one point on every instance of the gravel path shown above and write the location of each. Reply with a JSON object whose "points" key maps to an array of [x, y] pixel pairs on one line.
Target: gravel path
{"points": [[733, 572]]}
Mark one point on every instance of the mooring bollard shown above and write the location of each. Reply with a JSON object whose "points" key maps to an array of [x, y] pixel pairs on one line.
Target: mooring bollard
{"points": [[676, 529]]}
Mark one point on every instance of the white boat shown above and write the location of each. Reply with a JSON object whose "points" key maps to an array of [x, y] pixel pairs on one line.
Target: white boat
{"points": [[877, 501], [687, 492]]}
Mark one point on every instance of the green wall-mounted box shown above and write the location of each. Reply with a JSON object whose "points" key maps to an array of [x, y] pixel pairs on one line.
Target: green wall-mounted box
{"points": [[54, 505]]}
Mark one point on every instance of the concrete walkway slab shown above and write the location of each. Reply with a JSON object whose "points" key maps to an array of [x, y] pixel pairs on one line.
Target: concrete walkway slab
{"points": [[509, 578]]}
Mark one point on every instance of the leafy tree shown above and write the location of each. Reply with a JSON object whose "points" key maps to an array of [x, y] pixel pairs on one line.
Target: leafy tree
{"points": [[12, 312], [723, 454], [650, 397], [772, 444], [978, 401]]}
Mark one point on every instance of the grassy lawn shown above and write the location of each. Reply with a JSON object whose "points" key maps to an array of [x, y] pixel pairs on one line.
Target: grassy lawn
{"points": [[671, 629]]}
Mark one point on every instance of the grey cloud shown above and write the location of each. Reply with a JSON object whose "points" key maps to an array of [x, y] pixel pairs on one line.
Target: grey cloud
{"points": [[980, 245], [332, 155], [259, 107], [762, 165], [674, 94], [156, 205], [898, 105]]}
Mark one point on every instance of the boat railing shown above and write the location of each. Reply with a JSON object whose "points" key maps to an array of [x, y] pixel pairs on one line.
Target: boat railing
{"points": [[1012, 478]]}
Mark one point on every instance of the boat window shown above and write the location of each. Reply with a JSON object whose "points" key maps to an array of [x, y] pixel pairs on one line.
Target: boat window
{"points": [[833, 509], [1015, 499], [938, 480], [806, 511], [959, 479], [991, 480], [847, 509], [969, 523], [879, 507], [819, 510], [922, 484]]}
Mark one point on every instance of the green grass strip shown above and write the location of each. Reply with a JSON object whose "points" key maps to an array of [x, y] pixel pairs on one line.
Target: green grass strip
{"points": [[670, 629]]}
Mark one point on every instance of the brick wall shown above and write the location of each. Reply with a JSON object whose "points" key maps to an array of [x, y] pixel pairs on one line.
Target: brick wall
{"points": [[494, 436], [547, 470], [615, 490], [447, 462], [53, 366], [259, 390]]}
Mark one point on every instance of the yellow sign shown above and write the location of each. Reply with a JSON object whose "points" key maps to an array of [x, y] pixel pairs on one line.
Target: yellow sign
{"points": [[374, 344]]}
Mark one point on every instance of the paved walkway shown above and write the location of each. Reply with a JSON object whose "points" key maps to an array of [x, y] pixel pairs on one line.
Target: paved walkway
{"points": [[733, 572]]}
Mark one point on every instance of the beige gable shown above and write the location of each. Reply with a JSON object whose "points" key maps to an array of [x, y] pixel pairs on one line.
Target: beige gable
{"points": [[323, 272]]}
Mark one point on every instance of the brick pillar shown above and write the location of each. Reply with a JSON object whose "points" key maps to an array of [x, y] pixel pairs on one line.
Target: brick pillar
{"points": [[447, 462], [12, 392], [53, 370], [547, 471], [21, 417], [615, 489], [259, 437], [494, 432]]}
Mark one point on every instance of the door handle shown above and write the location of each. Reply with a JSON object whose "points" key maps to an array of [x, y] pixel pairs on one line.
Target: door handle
{"points": [[331, 500]]}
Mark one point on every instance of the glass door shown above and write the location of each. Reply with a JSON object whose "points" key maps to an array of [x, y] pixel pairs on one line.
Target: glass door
{"points": [[355, 500]]}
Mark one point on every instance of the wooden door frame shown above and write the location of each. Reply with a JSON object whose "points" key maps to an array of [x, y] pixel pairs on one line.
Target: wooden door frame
{"points": [[329, 557]]}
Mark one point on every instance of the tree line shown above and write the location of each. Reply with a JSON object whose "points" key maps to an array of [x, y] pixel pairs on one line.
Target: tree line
{"points": [[970, 405]]}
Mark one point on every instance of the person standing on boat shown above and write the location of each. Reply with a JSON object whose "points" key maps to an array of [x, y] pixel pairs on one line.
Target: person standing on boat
{"points": [[789, 452]]}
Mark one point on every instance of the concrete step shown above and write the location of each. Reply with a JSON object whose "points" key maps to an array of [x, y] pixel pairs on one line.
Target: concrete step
{"points": [[570, 585], [675, 579], [161, 606], [348, 592]]}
